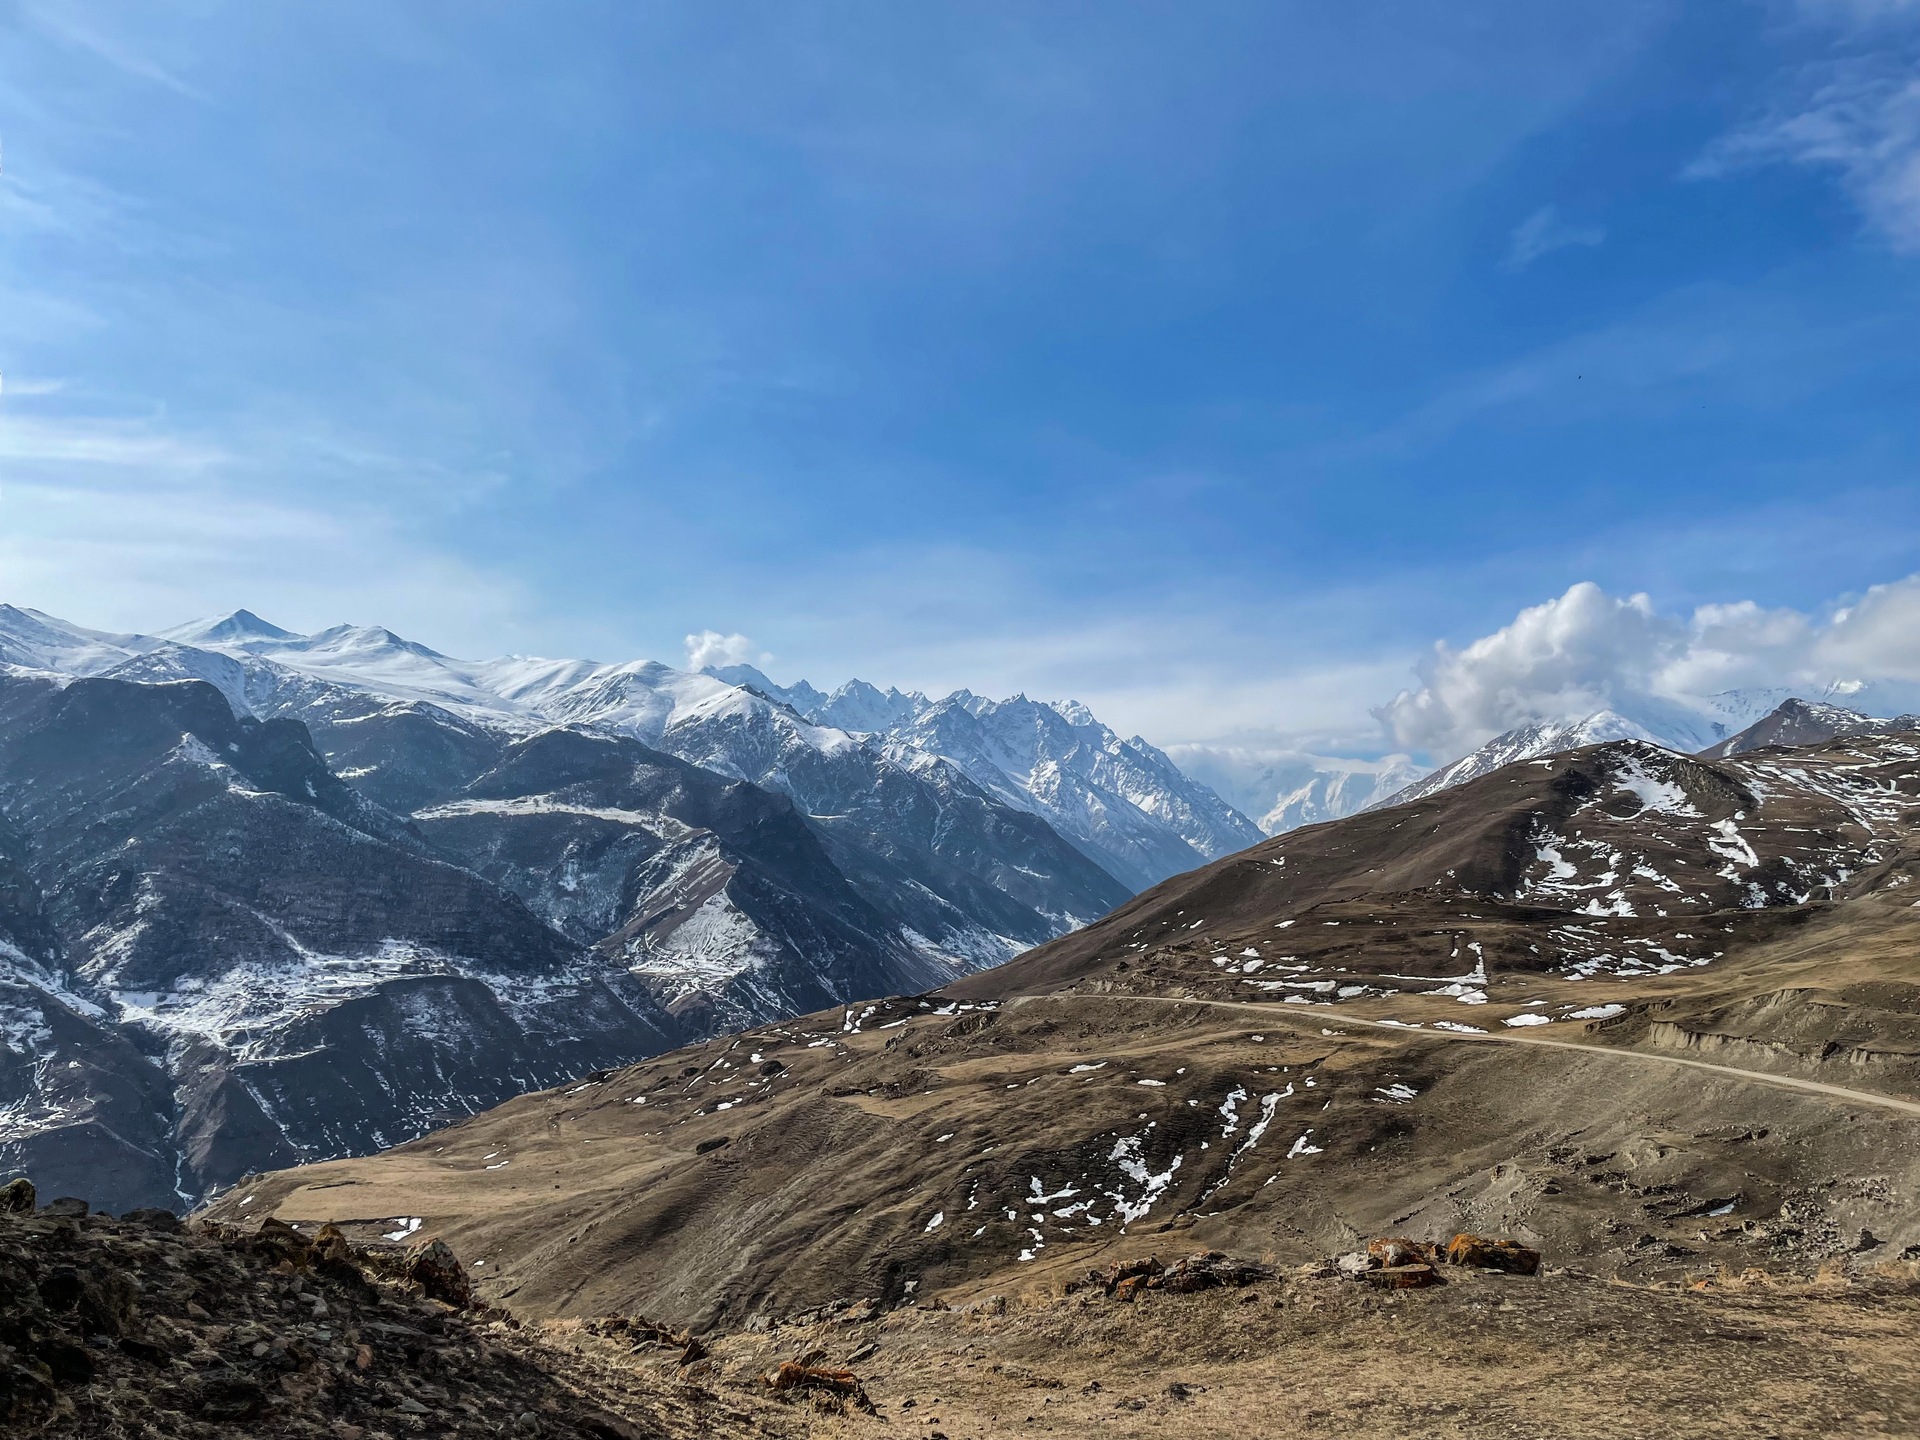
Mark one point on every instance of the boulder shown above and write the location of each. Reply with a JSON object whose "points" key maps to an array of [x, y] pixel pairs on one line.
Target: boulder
{"points": [[433, 1266], [1397, 1250], [794, 1378], [1491, 1254], [1209, 1270], [1121, 1271], [17, 1197]]}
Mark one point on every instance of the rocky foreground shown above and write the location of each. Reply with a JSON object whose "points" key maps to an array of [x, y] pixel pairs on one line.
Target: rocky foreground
{"points": [[143, 1326]]}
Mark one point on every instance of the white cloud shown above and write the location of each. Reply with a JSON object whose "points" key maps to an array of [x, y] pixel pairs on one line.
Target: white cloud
{"points": [[20, 387], [1858, 114], [67, 24], [1878, 636], [710, 647], [1570, 656], [1587, 650], [1543, 232]]}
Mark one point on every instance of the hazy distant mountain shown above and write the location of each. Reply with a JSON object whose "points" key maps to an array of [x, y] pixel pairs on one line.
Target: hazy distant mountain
{"points": [[1286, 789]]}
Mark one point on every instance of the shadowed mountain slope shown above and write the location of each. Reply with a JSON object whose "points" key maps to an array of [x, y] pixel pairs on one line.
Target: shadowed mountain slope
{"points": [[1643, 1011]]}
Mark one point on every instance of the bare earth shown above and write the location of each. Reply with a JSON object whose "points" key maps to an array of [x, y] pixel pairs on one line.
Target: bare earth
{"points": [[1658, 1019]]}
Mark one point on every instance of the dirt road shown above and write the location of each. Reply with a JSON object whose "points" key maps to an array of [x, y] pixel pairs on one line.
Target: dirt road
{"points": [[1320, 1021]]}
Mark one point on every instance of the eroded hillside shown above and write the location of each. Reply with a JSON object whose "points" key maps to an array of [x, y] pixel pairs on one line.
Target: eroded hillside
{"points": [[1647, 1013]]}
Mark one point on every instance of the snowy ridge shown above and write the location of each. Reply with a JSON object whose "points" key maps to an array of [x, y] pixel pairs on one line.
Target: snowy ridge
{"points": [[1286, 789]]}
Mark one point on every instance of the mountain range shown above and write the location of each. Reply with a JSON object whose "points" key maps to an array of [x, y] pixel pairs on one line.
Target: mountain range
{"points": [[1651, 1015], [269, 897]]}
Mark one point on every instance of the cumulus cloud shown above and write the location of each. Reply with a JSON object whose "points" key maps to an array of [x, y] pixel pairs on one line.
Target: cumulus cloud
{"points": [[1543, 232], [710, 647], [1569, 657], [1586, 651], [1879, 635]]}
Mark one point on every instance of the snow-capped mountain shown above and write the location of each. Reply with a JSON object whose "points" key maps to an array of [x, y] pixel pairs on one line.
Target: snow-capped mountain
{"points": [[1530, 741], [1807, 722], [1287, 789], [1122, 801], [1702, 728], [31, 640], [218, 955], [967, 881], [662, 855]]}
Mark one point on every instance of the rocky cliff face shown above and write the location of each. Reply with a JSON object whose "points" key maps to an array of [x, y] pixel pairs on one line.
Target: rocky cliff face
{"points": [[218, 950]]}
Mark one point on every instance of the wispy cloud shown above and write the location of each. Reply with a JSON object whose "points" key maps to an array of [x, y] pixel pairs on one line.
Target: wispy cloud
{"points": [[1858, 115], [1543, 232], [21, 386], [1861, 122], [127, 524], [67, 24], [102, 442]]}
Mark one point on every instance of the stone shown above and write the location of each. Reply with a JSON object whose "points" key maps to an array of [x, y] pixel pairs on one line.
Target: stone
{"points": [[433, 1266], [1132, 1274], [1353, 1264], [70, 1206], [1488, 1254], [17, 1197], [1397, 1250], [1210, 1270], [792, 1378]]}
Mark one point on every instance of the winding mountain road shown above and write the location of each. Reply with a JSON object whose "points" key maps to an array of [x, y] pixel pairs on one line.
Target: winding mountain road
{"points": [[1275, 1012]]}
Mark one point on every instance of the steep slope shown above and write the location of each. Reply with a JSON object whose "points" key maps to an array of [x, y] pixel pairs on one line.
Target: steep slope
{"points": [[983, 878], [1122, 801], [219, 927], [1806, 722], [1646, 1012], [32, 640], [718, 895], [1525, 742], [961, 912], [1707, 727], [960, 878]]}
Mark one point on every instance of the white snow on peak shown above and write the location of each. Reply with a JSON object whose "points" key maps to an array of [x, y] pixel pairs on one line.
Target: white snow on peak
{"points": [[1552, 737], [33, 640], [238, 628], [1286, 789]]}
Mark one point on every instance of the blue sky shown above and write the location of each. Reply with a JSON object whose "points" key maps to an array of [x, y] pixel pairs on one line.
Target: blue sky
{"points": [[1209, 362]]}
